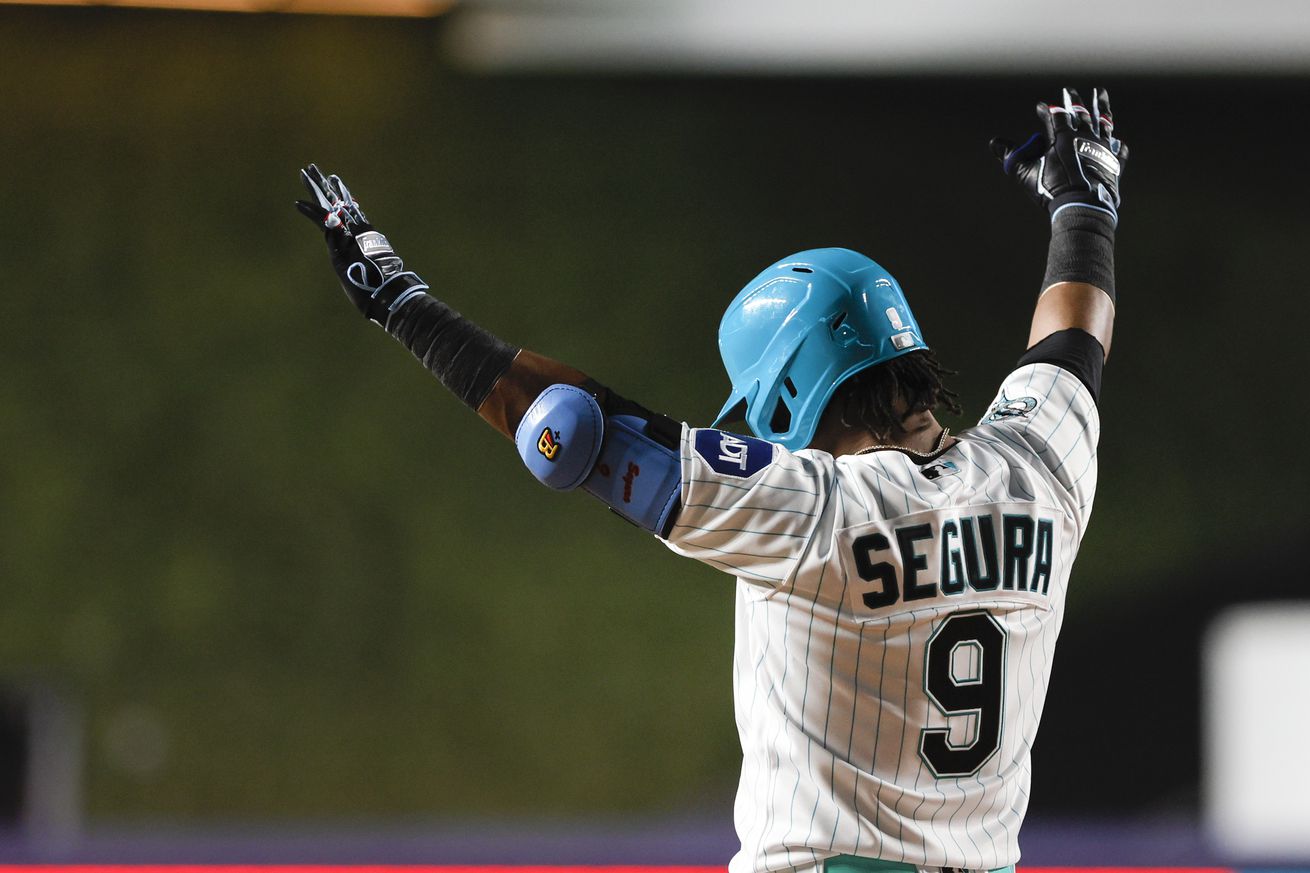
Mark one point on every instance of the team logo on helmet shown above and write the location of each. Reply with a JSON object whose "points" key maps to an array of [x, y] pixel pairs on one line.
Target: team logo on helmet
{"points": [[1006, 407]]}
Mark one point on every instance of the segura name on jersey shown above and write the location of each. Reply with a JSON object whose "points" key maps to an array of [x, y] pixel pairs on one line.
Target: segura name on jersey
{"points": [[932, 555]]}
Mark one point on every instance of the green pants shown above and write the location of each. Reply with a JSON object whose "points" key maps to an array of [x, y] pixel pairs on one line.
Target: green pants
{"points": [[852, 864]]}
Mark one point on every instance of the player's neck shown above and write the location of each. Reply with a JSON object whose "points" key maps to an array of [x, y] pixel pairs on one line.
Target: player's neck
{"points": [[919, 432]]}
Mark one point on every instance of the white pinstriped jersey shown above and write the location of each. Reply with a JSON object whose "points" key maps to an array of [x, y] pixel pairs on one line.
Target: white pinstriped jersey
{"points": [[895, 624]]}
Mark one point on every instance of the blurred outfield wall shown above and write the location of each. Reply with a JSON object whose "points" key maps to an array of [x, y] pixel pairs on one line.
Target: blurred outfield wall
{"points": [[287, 576]]}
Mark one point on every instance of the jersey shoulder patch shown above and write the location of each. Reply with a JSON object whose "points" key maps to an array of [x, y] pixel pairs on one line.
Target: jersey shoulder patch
{"points": [[732, 455], [1005, 408]]}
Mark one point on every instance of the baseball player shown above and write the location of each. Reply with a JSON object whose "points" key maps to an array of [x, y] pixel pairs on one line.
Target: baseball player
{"points": [[899, 588]]}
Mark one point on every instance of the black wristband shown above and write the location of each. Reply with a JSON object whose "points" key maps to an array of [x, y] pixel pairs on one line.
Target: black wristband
{"points": [[467, 359], [1081, 249]]}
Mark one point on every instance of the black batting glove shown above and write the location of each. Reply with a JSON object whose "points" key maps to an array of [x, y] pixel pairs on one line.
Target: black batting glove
{"points": [[1076, 159], [372, 274]]}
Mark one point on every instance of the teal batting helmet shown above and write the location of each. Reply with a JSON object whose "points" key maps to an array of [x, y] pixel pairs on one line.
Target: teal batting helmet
{"points": [[800, 329]]}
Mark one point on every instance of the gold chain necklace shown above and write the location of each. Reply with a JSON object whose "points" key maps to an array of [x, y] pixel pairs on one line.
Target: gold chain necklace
{"points": [[941, 441]]}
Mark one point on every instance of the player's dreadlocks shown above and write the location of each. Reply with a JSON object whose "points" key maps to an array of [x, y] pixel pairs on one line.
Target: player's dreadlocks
{"points": [[866, 399]]}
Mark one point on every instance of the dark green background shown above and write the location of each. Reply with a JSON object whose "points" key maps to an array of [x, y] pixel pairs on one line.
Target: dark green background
{"points": [[234, 507]]}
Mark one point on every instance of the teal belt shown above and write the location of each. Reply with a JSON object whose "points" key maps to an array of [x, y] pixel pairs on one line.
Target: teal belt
{"points": [[852, 864]]}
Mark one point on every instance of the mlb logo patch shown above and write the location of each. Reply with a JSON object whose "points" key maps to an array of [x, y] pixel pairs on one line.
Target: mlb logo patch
{"points": [[940, 469], [732, 455]]}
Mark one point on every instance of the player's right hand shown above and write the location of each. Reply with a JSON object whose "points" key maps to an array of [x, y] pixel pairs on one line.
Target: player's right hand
{"points": [[371, 273], [1075, 159]]}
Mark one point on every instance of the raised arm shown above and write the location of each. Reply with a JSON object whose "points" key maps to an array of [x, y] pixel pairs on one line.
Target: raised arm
{"points": [[494, 378], [570, 431], [1072, 167]]}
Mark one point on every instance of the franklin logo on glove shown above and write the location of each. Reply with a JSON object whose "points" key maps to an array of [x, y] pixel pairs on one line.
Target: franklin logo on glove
{"points": [[1100, 154], [373, 243]]}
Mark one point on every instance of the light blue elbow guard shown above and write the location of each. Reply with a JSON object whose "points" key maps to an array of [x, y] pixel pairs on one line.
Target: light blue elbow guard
{"points": [[630, 462]]}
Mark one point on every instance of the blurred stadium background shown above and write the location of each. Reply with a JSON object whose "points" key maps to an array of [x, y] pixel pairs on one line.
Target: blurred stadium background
{"points": [[272, 595]]}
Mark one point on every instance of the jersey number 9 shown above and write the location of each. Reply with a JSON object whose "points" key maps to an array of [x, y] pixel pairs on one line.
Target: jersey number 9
{"points": [[965, 676]]}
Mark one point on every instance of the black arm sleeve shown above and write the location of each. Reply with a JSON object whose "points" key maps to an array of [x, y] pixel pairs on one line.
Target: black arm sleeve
{"points": [[1081, 249], [467, 359], [1072, 349]]}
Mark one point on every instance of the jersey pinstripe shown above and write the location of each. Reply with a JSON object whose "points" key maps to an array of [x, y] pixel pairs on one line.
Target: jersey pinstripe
{"points": [[895, 625]]}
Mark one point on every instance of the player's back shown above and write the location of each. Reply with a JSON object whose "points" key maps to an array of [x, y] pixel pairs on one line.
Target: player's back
{"points": [[896, 620]]}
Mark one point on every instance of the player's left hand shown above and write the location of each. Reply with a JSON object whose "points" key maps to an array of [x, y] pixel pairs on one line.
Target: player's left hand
{"points": [[1075, 159], [371, 273]]}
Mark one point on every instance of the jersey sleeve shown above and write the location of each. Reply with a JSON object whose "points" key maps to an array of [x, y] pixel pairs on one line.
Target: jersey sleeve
{"points": [[1049, 417], [749, 507]]}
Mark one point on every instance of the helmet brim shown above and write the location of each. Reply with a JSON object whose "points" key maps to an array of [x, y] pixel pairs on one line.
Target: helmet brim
{"points": [[736, 406]]}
